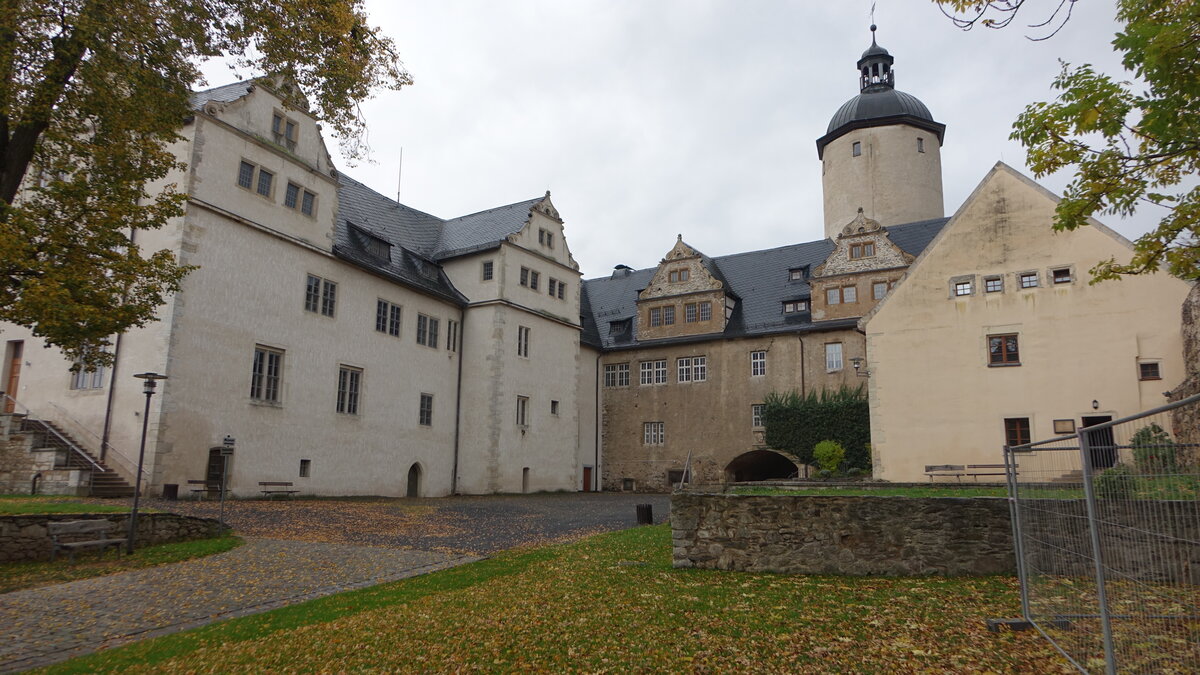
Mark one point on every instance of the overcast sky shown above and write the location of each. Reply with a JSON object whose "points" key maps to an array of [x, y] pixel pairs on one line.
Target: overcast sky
{"points": [[648, 118]]}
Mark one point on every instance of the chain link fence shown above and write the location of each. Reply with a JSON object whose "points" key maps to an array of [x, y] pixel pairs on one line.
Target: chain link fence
{"points": [[1107, 532]]}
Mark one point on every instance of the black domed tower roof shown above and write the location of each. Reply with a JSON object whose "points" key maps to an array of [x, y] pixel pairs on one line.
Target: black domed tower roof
{"points": [[879, 103]]}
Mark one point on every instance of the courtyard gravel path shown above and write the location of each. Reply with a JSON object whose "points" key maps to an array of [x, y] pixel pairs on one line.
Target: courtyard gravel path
{"points": [[53, 623], [296, 550]]}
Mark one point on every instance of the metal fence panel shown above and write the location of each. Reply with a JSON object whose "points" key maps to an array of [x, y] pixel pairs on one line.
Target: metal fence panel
{"points": [[1107, 531]]}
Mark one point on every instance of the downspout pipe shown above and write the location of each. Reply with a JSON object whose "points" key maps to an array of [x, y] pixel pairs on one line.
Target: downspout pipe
{"points": [[462, 349], [599, 419], [112, 382]]}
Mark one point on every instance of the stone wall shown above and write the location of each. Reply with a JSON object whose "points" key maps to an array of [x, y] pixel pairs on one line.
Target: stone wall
{"points": [[901, 536], [22, 467], [1186, 420], [24, 538]]}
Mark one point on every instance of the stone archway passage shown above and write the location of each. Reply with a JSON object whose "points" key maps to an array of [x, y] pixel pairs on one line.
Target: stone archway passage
{"points": [[760, 465]]}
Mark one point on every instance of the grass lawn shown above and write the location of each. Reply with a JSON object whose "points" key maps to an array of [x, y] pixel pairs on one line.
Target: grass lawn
{"points": [[16, 576], [20, 505], [878, 492], [612, 603]]}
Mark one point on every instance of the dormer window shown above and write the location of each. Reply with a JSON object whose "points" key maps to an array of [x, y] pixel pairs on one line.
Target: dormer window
{"points": [[798, 273], [677, 276], [546, 238], [794, 306], [374, 246], [283, 130], [621, 327], [865, 250]]}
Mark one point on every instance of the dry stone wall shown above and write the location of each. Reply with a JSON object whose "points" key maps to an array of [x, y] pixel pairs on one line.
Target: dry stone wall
{"points": [[24, 538]]}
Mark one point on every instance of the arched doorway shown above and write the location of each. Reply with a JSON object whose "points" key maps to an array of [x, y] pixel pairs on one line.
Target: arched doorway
{"points": [[414, 481], [760, 465]]}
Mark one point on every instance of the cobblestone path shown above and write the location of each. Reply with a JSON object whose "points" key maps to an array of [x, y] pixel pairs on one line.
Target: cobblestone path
{"points": [[45, 625]]}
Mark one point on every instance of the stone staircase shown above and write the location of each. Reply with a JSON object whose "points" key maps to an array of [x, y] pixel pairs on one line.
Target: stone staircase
{"points": [[1075, 477], [48, 435]]}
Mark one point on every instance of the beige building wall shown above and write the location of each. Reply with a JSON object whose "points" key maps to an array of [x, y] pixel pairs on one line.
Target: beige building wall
{"points": [[711, 419], [890, 179], [936, 399]]}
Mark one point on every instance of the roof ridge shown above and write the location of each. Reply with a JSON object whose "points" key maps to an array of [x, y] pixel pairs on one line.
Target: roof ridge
{"points": [[342, 175], [496, 208]]}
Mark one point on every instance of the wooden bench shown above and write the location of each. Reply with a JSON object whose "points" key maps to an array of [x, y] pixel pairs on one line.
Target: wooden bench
{"points": [[203, 491], [82, 534], [936, 470], [976, 470], [270, 488]]}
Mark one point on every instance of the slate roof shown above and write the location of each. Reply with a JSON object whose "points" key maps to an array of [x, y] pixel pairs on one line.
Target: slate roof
{"points": [[759, 278], [224, 94], [483, 230]]}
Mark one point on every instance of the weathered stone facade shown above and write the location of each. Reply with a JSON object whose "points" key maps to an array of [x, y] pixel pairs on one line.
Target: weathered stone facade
{"points": [[863, 257], [27, 470], [1186, 420], [894, 536], [24, 538]]}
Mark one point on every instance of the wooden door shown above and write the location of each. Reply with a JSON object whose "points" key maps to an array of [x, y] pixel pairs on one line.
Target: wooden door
{"points": [[414, 481], [587, 479], [212, 475], [16, 353]]}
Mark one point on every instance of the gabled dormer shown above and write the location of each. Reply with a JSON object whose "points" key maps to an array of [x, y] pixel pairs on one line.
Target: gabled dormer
{"points": [[686, 296], [862, 268]]}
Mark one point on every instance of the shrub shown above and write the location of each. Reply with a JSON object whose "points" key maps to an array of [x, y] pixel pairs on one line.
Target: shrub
{"points": [[1116, 483], [829, 455], [1153, 451], [855, 472], [795, 423], [824, 474]]}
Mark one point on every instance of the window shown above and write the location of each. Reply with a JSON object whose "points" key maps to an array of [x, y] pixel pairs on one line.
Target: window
{"points": [[668, 315], [1061, 276], [705, 311], [793, 306], [653, 433], [265, 374], [265, 182], [452, 335], [533, 280], [993, 284], [692, 368], [305, 468], [962, 288], [654, 372], [1016, 431], [856, 149], [349, 385], [425, 412], [489, 270], [554, 407], [524, 276], [427, 331], [849, 294], [684, 366], [756, 412], [833, 296], [320, 295], [758, 363], [655, 316], [292, 196], [1002, 350], [689, 313], [522, 411], [523, 341], [798, 274], [306, 203], [879, 290], [82, 379], [551, 286], [283, 130], [245, 175], [833, 357], [619, 327], [616, 375], [1029, 279], [920, 144], [546, 238], [387, 318], [866, 250], [1148, 370], [677, 276], [561, 290]]}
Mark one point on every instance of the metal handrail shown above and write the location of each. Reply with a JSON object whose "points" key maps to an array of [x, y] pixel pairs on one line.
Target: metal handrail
{"points": [[29, 414], [113, 451]]}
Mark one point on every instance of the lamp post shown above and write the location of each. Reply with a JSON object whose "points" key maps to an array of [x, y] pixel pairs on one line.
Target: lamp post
{"points": [[150, 383], [226, 450]]}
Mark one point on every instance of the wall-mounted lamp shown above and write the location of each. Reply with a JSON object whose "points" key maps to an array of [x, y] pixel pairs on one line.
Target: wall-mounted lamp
{"points": [[1095, 404], [857, 362]]}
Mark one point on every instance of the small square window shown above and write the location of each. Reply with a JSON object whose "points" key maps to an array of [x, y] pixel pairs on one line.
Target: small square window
{"points": [[305, 468], [849, 294], [1029, 279], [797, 274], [865, 250], [292, 196], [553, 407], [833, 296], [677, 276], [993, 284], [1002, 350], [962, 288], [1061, 276], [1148, 370], [879, 290], [1016, 431]]}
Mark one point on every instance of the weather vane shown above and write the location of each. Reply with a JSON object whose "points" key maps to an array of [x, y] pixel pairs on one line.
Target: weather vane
{"points": [[872, 13]]}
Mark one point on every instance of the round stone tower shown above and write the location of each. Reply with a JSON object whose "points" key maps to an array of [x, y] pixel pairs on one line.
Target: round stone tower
{"points": [[881, 152]]}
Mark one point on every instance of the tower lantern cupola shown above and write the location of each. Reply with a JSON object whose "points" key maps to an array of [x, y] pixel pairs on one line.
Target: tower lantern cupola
{"points": [[881, 153], [875, 67]]}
